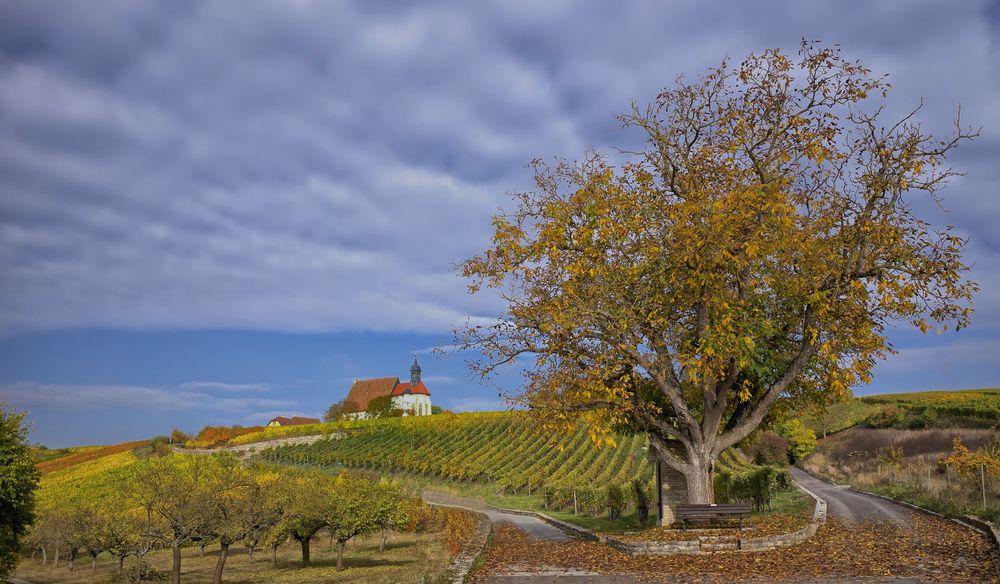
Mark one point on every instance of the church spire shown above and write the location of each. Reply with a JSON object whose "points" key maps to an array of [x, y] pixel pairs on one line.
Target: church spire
{"points": [[414, 373]]}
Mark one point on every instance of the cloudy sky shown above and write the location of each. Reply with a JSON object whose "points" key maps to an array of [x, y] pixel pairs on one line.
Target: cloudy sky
{"points": [[213, 212]]}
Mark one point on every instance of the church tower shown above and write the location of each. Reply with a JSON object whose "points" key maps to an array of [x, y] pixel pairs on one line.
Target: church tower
{"points": [[414, 373]]}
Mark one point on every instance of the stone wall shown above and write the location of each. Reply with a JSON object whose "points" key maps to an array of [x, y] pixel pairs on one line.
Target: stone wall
{"points": [[672, 489], [713, 543]]}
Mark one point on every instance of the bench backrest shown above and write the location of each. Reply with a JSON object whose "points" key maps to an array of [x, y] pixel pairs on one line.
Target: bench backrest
{"points": [[720, 509]]}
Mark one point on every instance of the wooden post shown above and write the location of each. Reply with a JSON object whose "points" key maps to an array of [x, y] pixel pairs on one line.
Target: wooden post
{"points": [[982, 481], [659, 493], [574, 502]]}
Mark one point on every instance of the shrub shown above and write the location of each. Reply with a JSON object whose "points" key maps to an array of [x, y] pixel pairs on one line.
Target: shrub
{"points": [[141, 573], [770, 448], [616, 501], [644, 498], [891, 456], [211, 436], [178, 437], [801, 440], [753, 484], [888, 417]]}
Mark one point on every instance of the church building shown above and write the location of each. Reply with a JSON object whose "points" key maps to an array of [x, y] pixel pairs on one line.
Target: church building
{"points": [[413, 398]]}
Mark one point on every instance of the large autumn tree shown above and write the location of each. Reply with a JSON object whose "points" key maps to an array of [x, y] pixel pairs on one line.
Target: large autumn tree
{"points": [[748, 260]]}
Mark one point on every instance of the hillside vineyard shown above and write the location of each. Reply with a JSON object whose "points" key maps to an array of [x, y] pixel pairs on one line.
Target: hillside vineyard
{"points": [[505, 448]]}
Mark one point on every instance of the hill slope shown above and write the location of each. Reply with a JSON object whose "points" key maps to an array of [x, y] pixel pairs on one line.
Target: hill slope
{"points": [[507, 448], [971, 408]]}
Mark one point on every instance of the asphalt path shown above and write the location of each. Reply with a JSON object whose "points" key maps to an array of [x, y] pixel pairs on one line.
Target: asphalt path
{"points": [[529, 524], [852, 506]]}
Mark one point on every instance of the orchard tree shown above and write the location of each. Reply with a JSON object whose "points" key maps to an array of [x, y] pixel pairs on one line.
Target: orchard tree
{"points": [[124, 531], [263, 511], [306, 497], [389, 509], [748, 260], [18, 481], [233, 490], [351, 510], [178, 490]]}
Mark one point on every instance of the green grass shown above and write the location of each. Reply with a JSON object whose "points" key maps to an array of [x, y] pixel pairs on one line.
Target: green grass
{"points": [[949, 507], [408, 558]]}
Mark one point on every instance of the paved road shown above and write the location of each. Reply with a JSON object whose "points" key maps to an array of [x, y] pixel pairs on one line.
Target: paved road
{"points": [[528, 523], [851, 506]]}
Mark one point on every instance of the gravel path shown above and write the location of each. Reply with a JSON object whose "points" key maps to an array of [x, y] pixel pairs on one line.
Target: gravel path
{"points": [[852, 506]]}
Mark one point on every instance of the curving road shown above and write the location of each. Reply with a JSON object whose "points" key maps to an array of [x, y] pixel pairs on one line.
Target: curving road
{"points": [[851, 506], [528, 523]]}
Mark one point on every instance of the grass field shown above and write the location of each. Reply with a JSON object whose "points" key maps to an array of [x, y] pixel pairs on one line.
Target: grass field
{"points": [[407, 558]]}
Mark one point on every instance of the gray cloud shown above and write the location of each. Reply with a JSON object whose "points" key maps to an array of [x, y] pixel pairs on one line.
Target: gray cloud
{"points": [[30, 394], [225, 387], [323, 166]]}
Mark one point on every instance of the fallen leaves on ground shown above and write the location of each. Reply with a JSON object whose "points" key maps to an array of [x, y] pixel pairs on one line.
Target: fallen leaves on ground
{"points": [[756, 526], [925, 548]]}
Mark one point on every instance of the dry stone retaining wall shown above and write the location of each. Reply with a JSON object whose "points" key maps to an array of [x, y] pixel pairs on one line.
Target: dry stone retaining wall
{"points": [[713, 543], [462, 564]]}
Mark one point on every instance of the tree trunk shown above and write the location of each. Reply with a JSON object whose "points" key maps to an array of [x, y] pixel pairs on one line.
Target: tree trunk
{"points": [[55, 561], [93, 564], [121, 564], [304, 542], [699, 481], [72, 559], [175, 568], [250, 552], [381, 545], [340, 555], [221, 564], [45, 556], [274, 556]]}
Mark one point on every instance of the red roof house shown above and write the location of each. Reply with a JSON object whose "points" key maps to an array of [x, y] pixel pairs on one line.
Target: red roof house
{"points": [[293, 421]]}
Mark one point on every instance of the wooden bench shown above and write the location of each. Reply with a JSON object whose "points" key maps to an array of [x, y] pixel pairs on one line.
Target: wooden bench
{"points": [[706, 512]]}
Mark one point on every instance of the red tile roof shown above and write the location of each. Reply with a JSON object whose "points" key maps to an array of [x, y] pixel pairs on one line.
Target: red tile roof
{"points": [[403, 387], [365, 390]]}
